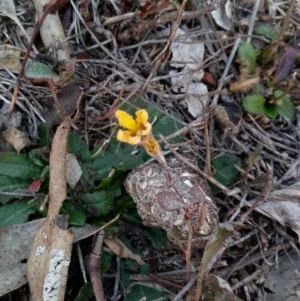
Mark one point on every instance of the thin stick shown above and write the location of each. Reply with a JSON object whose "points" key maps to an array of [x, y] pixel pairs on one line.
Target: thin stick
{"points": [[92, 263], [252, 21]]}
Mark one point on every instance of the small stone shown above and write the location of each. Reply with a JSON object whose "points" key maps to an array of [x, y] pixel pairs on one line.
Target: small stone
{"points": [[154, 188]]}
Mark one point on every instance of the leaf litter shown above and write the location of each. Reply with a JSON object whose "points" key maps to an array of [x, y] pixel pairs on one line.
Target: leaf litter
{"points": [[111, 75]]}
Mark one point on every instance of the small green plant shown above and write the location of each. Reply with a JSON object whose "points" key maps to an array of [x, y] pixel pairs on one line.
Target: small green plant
{"points": [[278, 104], [275, 102]]}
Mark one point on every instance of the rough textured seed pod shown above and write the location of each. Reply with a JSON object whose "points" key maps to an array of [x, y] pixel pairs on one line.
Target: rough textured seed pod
{"points": [[164, 203]]}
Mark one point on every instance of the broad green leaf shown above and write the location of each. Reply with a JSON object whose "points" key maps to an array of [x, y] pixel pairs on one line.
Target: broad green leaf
{"points": [[16, 213], [139, 292], [45, 135], [113, 184], [287, 109], [124, 204], [271, 110], [248, 55], [254, 104], [224, 169], [77, 218], [266, 30], [38, 70], [85, 293], [125, 277], [167, 126], [18, 166], [157, 237], [133, 218], [78, 147], [106, 262], [97, 203], [8, 184], [116, 155], [36, 158]]}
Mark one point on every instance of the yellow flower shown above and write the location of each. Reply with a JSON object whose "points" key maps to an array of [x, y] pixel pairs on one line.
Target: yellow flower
{"points": [[139, 132], [136, 128]]}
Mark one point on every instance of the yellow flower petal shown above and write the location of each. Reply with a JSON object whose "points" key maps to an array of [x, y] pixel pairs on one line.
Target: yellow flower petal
{"points": [[141, 116], [151, 145], [127, 137], [126, 121], [144, 126], [145, 130]]}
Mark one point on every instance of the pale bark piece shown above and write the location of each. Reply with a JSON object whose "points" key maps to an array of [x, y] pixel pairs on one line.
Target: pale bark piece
{"points": [[74, 170], [52, 31], [15, 242], [48, 262], [18, 139]]}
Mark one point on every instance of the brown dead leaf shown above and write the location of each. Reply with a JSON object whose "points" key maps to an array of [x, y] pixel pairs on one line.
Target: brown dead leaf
{"points": [[216, 288], [15, 242], [284, 207], [213, 250], [50, 253], [245, 81], [122, 251], [18, 139], [10, 58]]}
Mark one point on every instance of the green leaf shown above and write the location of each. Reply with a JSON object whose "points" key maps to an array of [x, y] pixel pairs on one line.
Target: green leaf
{"points": [[18, 166], [166, 126], [106, 262], [77, 218], [38, 70], [271, 110], [254, 104], [113, 184], [45, 135], [157, 237], [224, 169], [258, 89], [248, 55], [266, 30], [16, 213], [36, 157], [8, 184], [278, 93], [287, 109], [116, 155], [124, 204], [85, 293], [97, 203], [78, 147], [139, 292]]}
